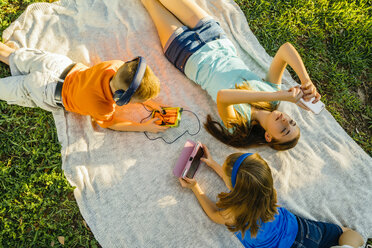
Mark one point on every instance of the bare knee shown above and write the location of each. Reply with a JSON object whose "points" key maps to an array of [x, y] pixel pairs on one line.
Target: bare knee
{"points": [[350, 237]]}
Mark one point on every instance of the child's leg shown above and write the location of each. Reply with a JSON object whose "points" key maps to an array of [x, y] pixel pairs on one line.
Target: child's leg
{"points": [[166, 23], [187, 11], [12, 91], [5, 51], [34, 78], [350, 237]]}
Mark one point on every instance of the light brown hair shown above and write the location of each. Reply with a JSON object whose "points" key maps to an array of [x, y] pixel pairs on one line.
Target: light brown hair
{"points": [[253, 199], [246, 134], [150, 84]]}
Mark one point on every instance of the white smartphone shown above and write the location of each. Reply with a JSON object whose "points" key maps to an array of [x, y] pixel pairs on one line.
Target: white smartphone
{"points": [[316, 108]]}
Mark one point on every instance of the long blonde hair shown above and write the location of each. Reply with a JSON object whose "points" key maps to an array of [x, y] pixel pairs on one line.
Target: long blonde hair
{"points": [[253, 199], [245, 134]]}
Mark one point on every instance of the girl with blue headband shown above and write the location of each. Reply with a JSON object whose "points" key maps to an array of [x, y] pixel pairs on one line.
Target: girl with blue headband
{"points": [[251, 210]]}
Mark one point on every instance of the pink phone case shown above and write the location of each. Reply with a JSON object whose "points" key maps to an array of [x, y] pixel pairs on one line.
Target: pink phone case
{"points": [[183, 158], [197, 147]]}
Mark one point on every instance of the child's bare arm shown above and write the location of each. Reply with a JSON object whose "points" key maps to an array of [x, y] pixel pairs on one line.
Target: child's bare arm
{"points": [[226, 98], [130, 126], [153, 105], [287, 54], [208, 206], [210, 162]]}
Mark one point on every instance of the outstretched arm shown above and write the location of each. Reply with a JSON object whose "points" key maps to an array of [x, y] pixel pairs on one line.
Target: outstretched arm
{"points": [[208, 206], [208, 160], [130, 126], [226, 98], [120, 123], [287, 54]]}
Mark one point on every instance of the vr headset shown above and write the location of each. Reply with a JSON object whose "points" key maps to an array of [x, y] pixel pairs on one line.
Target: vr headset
{"points": [[122, 97]]}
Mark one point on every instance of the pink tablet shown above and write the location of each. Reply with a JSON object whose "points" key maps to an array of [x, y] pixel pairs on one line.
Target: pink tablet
{"points": [[189, 160]]}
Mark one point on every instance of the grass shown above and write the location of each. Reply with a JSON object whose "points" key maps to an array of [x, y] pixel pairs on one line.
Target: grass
{"points": [[38, 207], [334, 39]]}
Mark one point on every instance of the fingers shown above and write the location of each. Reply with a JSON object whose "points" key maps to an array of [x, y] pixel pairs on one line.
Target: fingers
{"points": [[300, 94], [317, 97], [155, 128], [158, 128], [297, 93], [183, 183], [187, 182], [153, 120], [206, 151], [310, 91], [309, 94], [294, 89]]}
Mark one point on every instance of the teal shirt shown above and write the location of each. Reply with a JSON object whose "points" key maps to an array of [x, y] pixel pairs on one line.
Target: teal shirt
{"points": [[216, 66]]}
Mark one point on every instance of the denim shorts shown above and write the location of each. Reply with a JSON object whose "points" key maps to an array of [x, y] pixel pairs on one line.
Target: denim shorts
{"points": [[185, 41], [313, 234]]}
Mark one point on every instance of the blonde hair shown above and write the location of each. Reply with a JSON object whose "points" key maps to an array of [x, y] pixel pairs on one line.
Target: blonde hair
{"points": [[150, 84], [245, 134], [253, 199]]}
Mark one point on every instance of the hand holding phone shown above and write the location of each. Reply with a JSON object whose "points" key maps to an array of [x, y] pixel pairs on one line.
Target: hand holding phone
{"points": [[193, 163], [187, 182], [189, 160]]}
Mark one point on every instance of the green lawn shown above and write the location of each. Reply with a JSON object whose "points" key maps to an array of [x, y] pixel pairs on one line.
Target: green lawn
{"points": [[334, 38]]}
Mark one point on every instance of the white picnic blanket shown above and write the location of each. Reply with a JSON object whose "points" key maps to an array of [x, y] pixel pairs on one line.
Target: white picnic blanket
{"points": [[124, 184]]}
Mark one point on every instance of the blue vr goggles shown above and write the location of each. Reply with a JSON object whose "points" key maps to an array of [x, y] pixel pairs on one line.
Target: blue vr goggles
{"points": [[122, 97]]}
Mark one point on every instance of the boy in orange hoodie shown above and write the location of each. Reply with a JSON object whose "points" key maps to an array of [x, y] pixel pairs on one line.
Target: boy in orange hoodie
{"points": [[52, 81]]}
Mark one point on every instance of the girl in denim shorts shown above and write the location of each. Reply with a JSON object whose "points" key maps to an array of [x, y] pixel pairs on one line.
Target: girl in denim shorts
{"points": [[198, 47], [250, 209]]}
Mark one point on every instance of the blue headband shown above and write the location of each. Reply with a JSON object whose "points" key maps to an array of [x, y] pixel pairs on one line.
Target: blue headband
{"points": [[122, 97], [236, 167]]}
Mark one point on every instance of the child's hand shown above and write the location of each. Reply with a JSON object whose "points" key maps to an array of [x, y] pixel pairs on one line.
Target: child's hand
{"points": [[187, 182], [207, 158], [294, 94], [309, 91], [154, 105], [151, 126]]}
